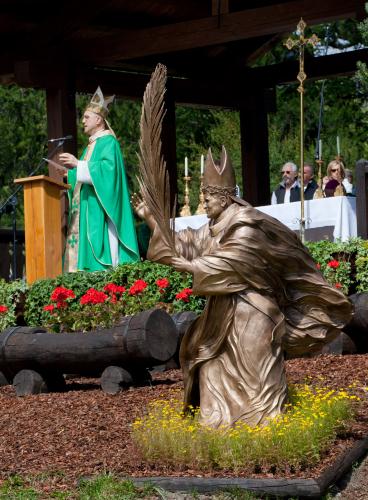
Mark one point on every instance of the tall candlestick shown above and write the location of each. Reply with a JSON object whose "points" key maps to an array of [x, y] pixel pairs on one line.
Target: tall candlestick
{"points": [[186, 166], [338, 145], [320, 149], [202, 165]]}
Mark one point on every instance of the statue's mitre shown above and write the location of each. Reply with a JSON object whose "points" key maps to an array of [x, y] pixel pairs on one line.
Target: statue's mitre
{"points": [[100, 104], [220, 176]]}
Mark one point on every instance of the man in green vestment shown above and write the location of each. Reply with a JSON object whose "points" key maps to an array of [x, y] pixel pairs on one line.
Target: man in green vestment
{"points": [[101, 231]]}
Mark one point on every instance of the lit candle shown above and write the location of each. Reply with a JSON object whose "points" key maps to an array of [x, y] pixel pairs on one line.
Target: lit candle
{"points": [[320, 149], [202, 165], [338, 145], [186, 166]]}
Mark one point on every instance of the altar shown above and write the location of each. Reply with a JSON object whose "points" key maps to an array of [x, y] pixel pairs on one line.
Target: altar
{"points": [[327, 218]]}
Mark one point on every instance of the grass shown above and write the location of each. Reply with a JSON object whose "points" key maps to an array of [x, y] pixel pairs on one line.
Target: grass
{"points": [[103, 487], [292, 440]]}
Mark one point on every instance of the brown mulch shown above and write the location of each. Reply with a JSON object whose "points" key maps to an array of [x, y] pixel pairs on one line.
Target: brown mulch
{"points": [[83, 432]]}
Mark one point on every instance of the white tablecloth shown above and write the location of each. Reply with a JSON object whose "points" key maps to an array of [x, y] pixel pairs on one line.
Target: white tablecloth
{"points": [[339, 212]]}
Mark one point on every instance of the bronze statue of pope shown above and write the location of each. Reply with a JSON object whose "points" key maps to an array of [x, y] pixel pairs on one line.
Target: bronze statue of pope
{"points": [[264, 296]]}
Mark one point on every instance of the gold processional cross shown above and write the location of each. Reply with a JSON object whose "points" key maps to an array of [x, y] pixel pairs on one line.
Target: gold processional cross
{"points": [[300, 43]]}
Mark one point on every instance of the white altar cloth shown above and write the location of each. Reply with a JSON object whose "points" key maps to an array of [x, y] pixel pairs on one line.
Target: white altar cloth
{"points": [[338, 211]]}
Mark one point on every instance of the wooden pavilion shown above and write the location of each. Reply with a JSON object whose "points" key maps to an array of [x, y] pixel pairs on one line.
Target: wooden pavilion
{"points": [[208, 47]]}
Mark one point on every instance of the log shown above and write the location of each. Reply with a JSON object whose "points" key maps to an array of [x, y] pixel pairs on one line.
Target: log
{"points": [[29, 382], [139, 342], [182, 321], [114, 379], [357, 329]]}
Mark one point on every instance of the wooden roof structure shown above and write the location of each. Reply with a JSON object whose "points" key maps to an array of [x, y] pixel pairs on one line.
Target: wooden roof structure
{"points": [[208, 46]]}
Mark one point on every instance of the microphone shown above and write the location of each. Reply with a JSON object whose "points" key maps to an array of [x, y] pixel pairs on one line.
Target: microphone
{"points": [[58, 139]]}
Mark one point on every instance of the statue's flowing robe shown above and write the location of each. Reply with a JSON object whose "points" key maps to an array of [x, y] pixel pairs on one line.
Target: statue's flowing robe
{"points": [[93, 208], [265, 295]]}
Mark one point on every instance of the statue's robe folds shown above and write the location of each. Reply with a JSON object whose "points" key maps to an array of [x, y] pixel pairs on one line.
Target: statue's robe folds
{"points": [[265, 295]]}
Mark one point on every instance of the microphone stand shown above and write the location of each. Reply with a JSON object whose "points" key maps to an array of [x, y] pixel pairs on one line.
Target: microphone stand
{"points": [[10, 205]]}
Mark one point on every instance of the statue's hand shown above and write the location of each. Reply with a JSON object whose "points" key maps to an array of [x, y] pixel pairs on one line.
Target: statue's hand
{"points": [[139, 206], [181, 264]]}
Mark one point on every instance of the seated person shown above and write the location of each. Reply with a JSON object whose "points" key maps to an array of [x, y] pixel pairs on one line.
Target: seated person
{"points": [[332, 183], [310, 185], [348, 183], [288, 189]]}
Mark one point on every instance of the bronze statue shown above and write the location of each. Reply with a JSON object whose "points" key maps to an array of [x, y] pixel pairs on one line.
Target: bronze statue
{"points": [[265, 295]]}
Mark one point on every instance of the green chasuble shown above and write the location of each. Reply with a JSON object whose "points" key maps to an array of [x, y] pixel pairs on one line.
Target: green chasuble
{"points": [[106, 199]]}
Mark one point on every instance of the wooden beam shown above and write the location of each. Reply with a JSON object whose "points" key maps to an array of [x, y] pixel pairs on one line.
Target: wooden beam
{"points": [[315, 68], [202, 90], [205, 32]]}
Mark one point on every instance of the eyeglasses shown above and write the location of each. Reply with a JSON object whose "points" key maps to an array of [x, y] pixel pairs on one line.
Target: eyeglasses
{"points": [[286, 172], [334, 169]]}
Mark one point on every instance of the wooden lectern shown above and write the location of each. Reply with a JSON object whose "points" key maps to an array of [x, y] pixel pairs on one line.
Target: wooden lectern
{"points": [[42, 223]]}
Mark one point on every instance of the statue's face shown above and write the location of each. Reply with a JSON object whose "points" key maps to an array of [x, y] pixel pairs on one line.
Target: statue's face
{"points": [[214, 205]]}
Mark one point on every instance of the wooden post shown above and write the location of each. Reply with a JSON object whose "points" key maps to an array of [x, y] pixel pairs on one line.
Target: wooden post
{"points": [[42, 221], [362, 198], [254, 147], [61, 121]]}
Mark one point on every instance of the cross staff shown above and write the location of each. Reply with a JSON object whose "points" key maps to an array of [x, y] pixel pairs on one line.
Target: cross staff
{"points": [[300, 43]]}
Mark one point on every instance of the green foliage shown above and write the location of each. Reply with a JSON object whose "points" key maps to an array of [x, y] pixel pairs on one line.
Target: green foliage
{"points": [[11, 294], [352, 258], [23, 139]]}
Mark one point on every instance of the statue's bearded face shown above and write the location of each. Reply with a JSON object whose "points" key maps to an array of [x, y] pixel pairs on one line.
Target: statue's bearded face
{"points": [[214, 205]]}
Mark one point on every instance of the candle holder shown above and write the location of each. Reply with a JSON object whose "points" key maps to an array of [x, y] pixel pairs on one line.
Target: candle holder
{"points": [[185, 211], [318, 194], [200, 209]]}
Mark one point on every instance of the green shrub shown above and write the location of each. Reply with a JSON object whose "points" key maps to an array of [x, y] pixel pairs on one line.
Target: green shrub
{"points": [[75, 316], [343, 264], [11, 296]]}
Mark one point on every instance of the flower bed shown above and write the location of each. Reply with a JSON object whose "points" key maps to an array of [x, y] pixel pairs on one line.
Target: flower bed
{"points": [[86, 301], [293, 439]]}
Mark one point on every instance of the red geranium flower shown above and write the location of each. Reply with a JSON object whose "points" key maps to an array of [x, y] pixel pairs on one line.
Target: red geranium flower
{"points": [[137, 287], [112, 288], [60, 295], [93, 296], [3, 309], [318, 266], [334, 264], [162, 283], [338, 285], [184, 294], [49, 308]]}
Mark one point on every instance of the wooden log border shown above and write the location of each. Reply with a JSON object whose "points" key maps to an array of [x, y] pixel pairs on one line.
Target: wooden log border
{"points": [[313, 488]]}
